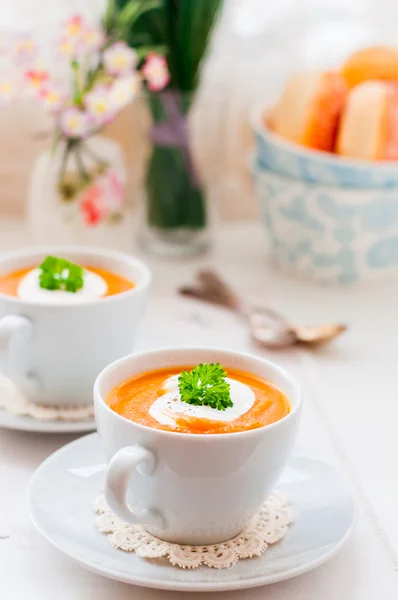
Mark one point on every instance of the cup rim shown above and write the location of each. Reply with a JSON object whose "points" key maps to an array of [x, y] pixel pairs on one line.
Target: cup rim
{"points": [[263, 130], [212, 436], [144, 278]]}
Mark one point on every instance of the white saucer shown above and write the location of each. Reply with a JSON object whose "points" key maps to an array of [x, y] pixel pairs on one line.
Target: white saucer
{"points": [[21, 423], [62, 493]]}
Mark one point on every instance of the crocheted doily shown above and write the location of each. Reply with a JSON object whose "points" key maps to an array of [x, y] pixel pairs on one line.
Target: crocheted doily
{"points": [[13, 401], [267, 527]]}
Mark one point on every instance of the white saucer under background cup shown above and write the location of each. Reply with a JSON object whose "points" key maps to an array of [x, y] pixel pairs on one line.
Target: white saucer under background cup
{"points": [[53, 352], [191, 488]]}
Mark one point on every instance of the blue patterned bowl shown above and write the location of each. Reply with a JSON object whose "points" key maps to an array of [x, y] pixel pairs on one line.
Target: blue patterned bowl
{"points": [[291, 160], [329, 234]]}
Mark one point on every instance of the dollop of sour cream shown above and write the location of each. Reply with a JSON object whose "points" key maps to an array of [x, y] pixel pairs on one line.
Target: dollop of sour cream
{"points": [[29, 290], [169, 406]]}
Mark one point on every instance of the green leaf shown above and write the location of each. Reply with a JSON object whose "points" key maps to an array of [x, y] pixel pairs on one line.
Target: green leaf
{"points": [[144, 50], [60, 274], [108, 19], [205, 385], [133, 10], [184, 27]]}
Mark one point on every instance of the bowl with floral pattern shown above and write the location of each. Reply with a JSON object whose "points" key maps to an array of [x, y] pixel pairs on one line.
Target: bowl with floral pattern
{"points": [[327, 233], [298, 162]]}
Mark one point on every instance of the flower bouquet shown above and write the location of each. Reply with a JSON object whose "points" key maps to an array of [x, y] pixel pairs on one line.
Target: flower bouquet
{"points": [[97, 76], [177, 212]]}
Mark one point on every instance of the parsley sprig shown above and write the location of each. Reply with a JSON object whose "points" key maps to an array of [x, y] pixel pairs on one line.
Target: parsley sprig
{"points": [[60, 274], [205, 385]]}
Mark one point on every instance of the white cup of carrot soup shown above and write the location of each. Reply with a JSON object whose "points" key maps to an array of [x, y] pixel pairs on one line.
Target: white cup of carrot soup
{"points": [[65, 313], [194, 438]]}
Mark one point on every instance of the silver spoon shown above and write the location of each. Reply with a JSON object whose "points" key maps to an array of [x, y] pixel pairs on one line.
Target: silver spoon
{"points": [[268, 328]]}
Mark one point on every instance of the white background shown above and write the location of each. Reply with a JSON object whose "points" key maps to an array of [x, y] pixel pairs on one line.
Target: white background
{"points": [[256, 45]]}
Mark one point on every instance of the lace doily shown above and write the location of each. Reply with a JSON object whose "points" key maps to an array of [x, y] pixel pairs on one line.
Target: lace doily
{"points": [[15, 403], [267, 527]]}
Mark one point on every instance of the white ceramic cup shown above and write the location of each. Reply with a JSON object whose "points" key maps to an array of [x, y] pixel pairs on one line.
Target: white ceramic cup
{"points": [[191, 488], [53, 353]]}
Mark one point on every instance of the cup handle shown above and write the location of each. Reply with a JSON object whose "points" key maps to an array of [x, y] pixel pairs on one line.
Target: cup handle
{"points": [[117, 478], [15, 333]]}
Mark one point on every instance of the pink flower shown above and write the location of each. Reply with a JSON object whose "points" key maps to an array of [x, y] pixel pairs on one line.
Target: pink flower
{"points": [[102, 198], [74, 123], [155, 72], [91, 205], [123, 90], [113, 189], [24, 50], [8, 90], [69, 47], [92, 38], [119, 59], [73, 27], [52, 97], [77, 37], [99, 106], [36, 78]]}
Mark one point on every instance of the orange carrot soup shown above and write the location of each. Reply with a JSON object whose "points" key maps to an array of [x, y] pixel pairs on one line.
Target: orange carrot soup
{"points": [[238, 402], [115, 284]]}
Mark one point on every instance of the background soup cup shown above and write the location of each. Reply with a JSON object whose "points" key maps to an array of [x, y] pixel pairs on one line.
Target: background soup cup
{"points": [[297, 162], [53, 353], [191, 488], [329, 234]]}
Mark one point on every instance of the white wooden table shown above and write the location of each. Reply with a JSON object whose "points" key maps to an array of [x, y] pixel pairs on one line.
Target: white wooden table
{"points": [[350, 420]]}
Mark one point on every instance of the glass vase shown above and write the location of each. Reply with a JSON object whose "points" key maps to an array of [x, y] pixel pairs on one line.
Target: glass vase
{"points": [[176, 208], [77, 195]]}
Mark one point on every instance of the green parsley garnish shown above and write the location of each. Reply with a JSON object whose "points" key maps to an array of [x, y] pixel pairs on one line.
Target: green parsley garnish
{"points": [[205, 385], [60, 274]]}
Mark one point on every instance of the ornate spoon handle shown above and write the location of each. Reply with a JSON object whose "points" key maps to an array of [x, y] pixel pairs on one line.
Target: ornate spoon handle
{"points": [[268, 327], [214, 290]]}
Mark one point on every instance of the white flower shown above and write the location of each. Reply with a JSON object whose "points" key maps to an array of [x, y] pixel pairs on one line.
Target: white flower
{"points": [[99, 106], [52, 97], [7, 91], [119, 59], [69, 47], [73, 27], [92, 38], [123, 90], [74, 123], [79, 38], [25, 51]]}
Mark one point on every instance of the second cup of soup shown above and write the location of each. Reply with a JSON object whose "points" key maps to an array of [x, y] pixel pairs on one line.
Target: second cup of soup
{"points": [[195, 439], [65, 313]]}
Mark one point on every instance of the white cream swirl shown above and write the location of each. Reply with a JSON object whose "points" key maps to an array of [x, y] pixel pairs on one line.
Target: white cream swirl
{"points": [[29, 290], [168, 407]]}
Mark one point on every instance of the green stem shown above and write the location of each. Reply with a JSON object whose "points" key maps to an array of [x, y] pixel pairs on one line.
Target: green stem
{"points": [[80, 165], [98, 159], [92, 77], [77, 97], [64, 160]]}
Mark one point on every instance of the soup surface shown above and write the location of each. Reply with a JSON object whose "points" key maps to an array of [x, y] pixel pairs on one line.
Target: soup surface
{"points": [[152, 399], [23, 284]]}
